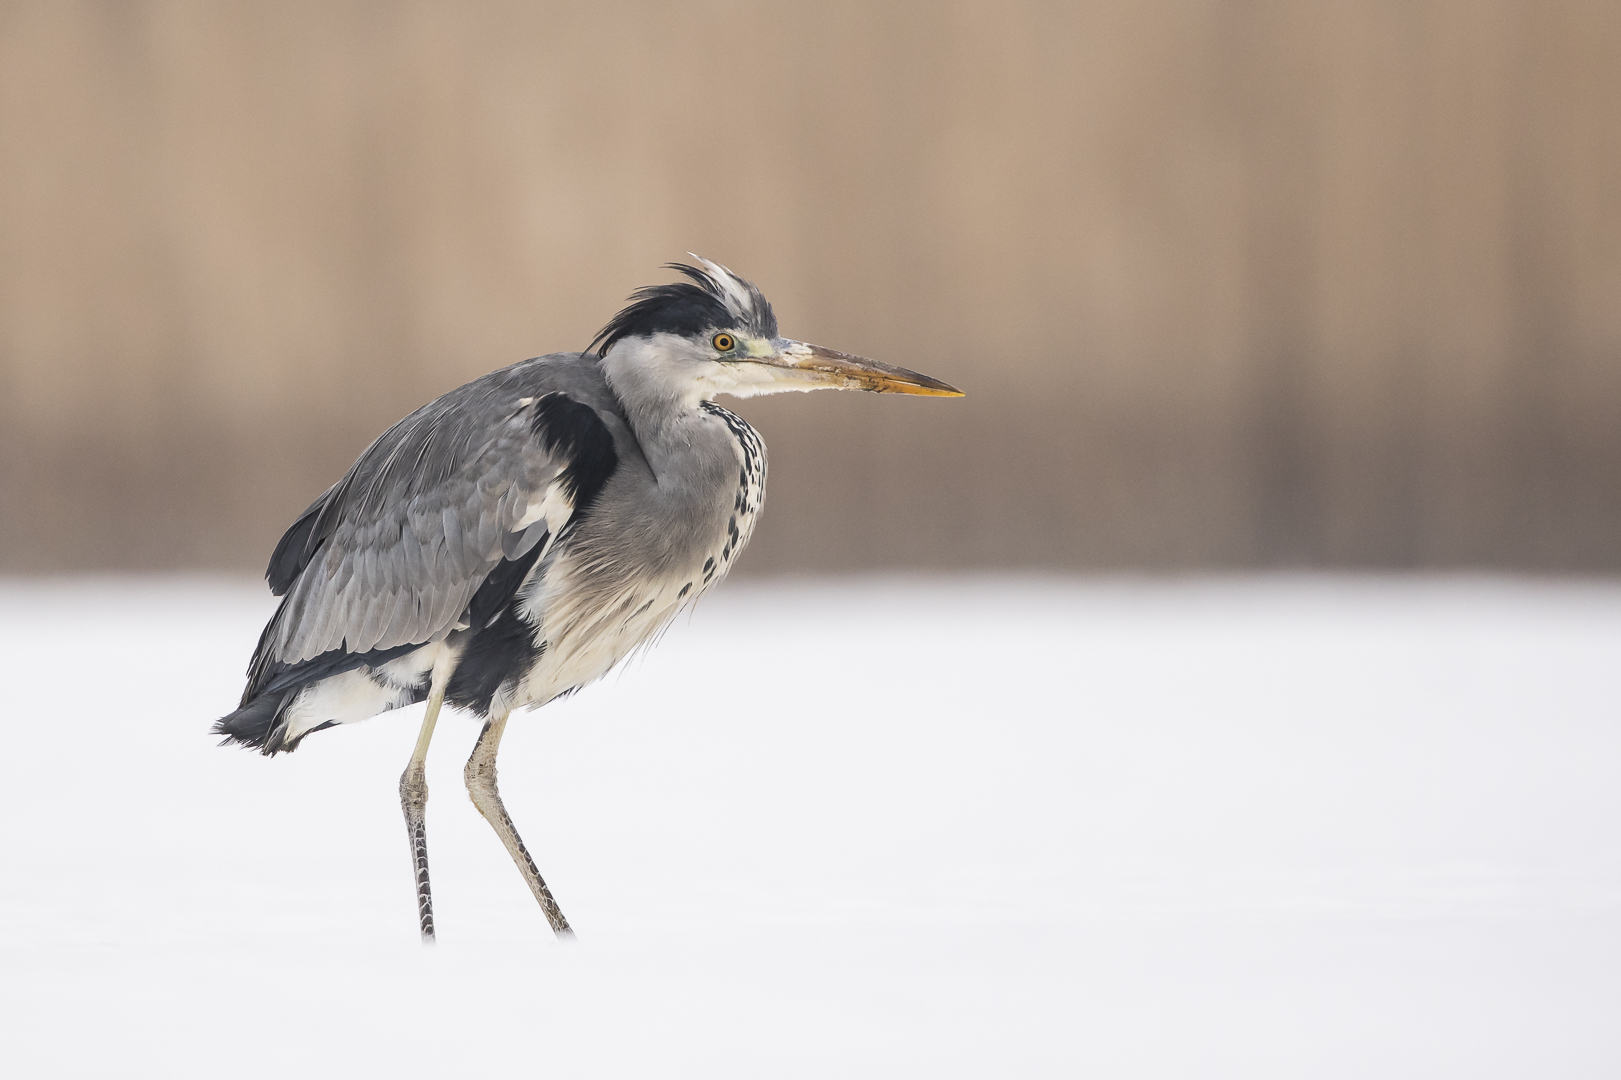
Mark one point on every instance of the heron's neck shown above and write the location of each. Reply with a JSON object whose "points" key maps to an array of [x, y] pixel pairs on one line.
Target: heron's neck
{"points": [[662, 411]]}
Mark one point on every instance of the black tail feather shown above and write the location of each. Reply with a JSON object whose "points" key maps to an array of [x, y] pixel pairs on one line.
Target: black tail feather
{"points": [[255, 725]]}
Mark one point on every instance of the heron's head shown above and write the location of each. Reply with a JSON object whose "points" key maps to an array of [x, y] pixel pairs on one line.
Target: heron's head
{"points": [[715, 333]]}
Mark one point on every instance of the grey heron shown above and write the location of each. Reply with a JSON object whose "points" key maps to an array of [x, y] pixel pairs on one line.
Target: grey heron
{"points": [[516, 538]]}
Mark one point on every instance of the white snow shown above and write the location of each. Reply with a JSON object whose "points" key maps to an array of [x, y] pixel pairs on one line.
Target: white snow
{"points": [[986, 827]]}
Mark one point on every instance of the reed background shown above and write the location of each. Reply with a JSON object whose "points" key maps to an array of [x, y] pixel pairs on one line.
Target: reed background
{"points": [[1230, 284]]}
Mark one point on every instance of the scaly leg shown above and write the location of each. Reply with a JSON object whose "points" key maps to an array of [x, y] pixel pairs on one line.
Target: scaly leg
{"points": [[480, 776], [414, 791]]}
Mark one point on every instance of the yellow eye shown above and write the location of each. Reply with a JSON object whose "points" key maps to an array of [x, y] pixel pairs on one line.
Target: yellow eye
{"points": [[724, 342]]}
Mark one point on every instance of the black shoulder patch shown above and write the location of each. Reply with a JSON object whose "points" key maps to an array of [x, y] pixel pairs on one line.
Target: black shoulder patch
{"points": [[503, 646], [572, 430]]}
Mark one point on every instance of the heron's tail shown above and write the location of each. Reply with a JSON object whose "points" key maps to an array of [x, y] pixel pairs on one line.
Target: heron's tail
{"points": [[255, 725]]}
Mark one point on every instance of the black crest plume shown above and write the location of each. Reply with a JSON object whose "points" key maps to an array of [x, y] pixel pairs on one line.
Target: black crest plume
{"points": [[713, 298]]}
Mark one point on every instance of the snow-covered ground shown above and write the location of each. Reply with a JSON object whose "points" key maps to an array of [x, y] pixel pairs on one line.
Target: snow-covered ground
{"points": [[1276, 827]]}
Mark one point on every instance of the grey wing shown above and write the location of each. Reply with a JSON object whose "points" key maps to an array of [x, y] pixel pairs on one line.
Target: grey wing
{"points": [[394, 554]]}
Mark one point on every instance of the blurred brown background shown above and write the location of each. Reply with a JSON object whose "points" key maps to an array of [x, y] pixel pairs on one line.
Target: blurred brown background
{"points": [[1230, 284]]}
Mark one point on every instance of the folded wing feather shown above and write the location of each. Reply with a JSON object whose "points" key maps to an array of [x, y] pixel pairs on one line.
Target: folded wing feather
{"points": [[399, 552]]}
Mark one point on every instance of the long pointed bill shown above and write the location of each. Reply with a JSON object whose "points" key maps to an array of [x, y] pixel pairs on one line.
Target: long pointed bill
{"points": [[824, 367]]}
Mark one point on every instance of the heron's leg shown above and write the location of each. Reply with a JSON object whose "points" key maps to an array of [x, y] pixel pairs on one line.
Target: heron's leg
{"points": [[480, 775], [414, 790]]}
